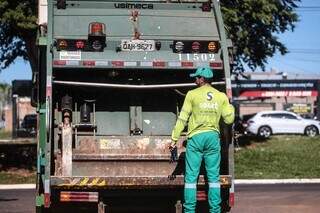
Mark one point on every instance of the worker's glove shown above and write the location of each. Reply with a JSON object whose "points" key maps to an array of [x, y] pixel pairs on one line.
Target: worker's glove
{"points": [[174, 152], [172, 177]]}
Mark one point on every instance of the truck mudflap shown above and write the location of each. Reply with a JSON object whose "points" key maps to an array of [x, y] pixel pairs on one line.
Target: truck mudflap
{"points": [[128, 182]]}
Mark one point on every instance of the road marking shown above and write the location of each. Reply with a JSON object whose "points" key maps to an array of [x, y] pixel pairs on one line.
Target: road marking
{"points": [[17, 186], [237, 181], [276, 181]]}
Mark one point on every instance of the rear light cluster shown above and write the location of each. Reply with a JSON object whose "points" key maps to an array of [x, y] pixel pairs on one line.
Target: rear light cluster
{"points": [[96, 40], [75, 196], [80, 44], [72, 45], [195, 46]]}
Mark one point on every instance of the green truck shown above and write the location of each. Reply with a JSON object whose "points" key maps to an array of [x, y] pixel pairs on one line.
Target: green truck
{"points": [[111, 79]]}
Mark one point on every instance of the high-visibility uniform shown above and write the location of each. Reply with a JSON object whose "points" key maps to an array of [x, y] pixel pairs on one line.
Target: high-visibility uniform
{"points": [[202, 109]]}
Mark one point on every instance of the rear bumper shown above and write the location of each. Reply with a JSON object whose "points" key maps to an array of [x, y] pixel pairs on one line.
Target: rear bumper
{"points": [[159, 182], [252, 130]]}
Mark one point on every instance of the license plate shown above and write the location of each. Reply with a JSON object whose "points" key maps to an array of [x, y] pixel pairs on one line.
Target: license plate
{"points": [[137, 45]]}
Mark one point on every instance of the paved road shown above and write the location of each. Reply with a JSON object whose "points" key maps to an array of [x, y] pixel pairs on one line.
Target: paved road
{"points": [[284, 198], [17, 201]]}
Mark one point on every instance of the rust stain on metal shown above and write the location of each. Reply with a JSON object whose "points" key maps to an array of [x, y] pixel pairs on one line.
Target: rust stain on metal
{"points": [[143, 143]]}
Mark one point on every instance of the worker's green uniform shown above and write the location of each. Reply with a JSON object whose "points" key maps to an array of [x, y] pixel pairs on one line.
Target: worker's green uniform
{"points": [[202, 109]]}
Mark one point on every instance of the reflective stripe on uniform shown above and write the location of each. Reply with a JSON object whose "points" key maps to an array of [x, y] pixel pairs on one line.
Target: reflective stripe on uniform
{"points": [[190, 185], [214, 185]]}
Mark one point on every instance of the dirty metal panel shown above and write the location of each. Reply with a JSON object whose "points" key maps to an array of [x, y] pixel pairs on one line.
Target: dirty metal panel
{"points": [[81, 182], [112, 123], [123, 168], [121, 157], [67, 150], [158, 123], [123, 145]]}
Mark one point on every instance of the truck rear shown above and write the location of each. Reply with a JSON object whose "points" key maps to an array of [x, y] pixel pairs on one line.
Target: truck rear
{"points": [[111, 80]]}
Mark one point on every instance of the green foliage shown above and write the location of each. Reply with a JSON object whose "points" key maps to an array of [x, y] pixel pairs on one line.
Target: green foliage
{"points": [[17, 30], [253, 25], [4, 135], [280, 157]]}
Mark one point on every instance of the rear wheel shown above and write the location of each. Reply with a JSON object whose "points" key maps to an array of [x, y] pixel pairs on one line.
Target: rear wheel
{"points": [[264, 132], [311, 131]]}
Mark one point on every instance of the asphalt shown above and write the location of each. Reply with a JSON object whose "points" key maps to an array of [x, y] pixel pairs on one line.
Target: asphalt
{"points": [[249, 198]]}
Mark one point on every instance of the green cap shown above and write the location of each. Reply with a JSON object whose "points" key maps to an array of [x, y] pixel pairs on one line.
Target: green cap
{"points": [[205, 72]]}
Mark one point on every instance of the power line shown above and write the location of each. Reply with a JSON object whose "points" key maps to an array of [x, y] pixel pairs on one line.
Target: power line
{"points": [[305, 51], [309, 7], [297, 68], [303, 60]]}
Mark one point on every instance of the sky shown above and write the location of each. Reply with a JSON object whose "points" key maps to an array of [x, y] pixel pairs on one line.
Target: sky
{"points": [[303, 44]]}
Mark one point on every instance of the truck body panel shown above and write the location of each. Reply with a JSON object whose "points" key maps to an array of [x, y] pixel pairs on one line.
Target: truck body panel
{"points": [[107, 111]]}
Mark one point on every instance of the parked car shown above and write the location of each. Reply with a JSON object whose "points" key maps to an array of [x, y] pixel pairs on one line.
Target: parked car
{"points": [[240, 124], [266, 123]]}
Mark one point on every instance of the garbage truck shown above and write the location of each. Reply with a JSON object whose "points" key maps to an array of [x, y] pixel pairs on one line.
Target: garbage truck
{"points": [[110, 82]]}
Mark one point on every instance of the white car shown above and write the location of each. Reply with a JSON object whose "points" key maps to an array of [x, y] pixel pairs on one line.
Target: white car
{"points": [[267, 123]]}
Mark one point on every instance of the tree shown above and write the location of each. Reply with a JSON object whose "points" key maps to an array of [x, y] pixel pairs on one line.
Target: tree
{"points": [[4, 97], [18, 31], [252, 25]]}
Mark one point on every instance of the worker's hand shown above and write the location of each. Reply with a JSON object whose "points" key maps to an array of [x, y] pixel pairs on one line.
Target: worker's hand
{"points": [[173, 145], [174, 152]]}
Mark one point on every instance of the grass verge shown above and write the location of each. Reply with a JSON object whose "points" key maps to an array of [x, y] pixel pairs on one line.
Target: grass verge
{"points": [[5, 134], [279, 157], [17, 176]]}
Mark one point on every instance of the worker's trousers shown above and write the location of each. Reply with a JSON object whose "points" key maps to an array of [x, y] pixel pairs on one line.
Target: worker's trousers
{"points": [[205, 146]]}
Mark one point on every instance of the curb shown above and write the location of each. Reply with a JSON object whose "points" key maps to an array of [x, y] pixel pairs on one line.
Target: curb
{"points": [[276, 181], [237, 182], [17, 186]]}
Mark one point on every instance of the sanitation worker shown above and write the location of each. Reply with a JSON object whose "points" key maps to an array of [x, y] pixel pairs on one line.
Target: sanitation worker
{"points": [[202, 109]]}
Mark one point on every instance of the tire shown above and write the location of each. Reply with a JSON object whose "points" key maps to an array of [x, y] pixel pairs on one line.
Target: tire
{"points": [[311, 131], [264, 132]]}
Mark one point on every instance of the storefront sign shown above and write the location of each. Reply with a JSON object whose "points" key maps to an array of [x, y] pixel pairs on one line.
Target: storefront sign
{"points": [[298, 108], [285, 93]]}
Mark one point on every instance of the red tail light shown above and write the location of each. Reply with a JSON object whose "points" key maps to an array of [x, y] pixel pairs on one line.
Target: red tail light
{"points": [[231, 199], [206, 7], [79, 44], [195, 46], [47, 201], [202, 196], [96, 29]]}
